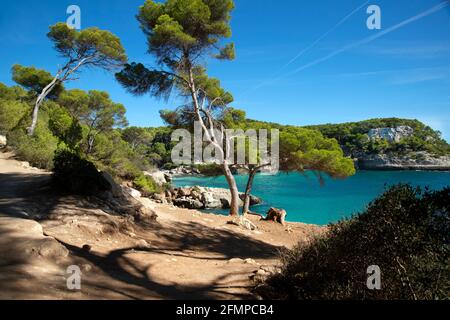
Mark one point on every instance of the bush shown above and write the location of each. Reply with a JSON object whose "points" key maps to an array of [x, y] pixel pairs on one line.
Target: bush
{"points": [[210, 169], [147, 185], [75, 175], [10, 114], [406, 232], [38, 150]]}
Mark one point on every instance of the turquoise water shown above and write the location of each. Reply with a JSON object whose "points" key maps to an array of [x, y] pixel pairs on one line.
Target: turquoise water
{"points": [[305, 200]]}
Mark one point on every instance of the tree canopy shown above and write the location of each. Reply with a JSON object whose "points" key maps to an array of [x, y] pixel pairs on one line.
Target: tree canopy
{"points": [[89, 47], [35, 80]]}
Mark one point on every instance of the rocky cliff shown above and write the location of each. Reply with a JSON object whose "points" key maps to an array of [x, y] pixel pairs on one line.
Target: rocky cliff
{"points": [[415, 161], [390, 143]]}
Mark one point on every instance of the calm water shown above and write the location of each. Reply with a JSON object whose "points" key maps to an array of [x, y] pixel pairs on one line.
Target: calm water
{"points": [[305, 200]]}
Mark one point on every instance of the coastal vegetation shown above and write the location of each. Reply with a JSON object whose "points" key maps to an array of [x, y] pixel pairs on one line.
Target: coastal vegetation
{"points": [[405, 232], [181, 35], [85, 139], [91, 47], [354, 139]]}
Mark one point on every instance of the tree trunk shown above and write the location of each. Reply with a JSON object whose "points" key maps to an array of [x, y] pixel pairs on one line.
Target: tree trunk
{"points": [[34, 118], [38, 104], [248, 190], [234, 205], [65, 72]]}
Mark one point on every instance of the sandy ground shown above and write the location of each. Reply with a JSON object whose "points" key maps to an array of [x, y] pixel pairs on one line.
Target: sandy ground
{"points": [[186, 254]]}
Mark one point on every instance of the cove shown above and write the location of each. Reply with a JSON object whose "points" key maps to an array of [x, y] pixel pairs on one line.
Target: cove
{"points": [[305, 200]]}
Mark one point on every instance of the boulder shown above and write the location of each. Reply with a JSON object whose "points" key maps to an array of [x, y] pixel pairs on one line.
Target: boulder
{"points": [[188, 203], [211, 198], [253, 199], [132, 192], [391, 134], [158, 176], [3, 142], [210, 202], [276, 215], [219, 195], [115, 189], [184, 192]]}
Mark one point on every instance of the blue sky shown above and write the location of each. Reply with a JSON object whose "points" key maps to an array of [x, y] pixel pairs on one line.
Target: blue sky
{"points": [[347, 73]]}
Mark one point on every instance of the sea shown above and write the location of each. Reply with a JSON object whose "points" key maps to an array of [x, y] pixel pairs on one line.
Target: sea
{"points": [[309, 200]]}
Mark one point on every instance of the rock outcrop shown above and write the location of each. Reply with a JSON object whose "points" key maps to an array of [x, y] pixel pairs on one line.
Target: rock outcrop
{"points": [[391, 134], [182, 170], [201, 198], [276, 215], [160, 177], [418, 161], [3, 141], [126, 201]]}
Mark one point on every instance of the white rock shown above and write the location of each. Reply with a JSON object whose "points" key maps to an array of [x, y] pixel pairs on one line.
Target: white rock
{"points": [[132, 192], [391, 134], [3, 141], [158, 176], [236, 260]]}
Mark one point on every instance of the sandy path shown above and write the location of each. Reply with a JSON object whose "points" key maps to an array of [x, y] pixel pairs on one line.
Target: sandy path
{"points": [[186, 254]]}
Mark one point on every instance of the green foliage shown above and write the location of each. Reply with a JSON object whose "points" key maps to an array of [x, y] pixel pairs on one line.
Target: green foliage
{"points": [[147, 185], [11, 112], [405, 232], [304, 149], [233, 118], [39, 149], [96, 47], [12, 93], [211, 90], [35, 80], [137, 138], [185, 25], [353, 137], [179, 32], [75, 101], [76, 175], [227, 52], [94, 116], [63, 126], [210, 169], [139, 80]]}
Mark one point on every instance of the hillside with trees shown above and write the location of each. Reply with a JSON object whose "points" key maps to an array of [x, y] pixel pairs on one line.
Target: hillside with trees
{"points": [[354, 139], [102, 206]]}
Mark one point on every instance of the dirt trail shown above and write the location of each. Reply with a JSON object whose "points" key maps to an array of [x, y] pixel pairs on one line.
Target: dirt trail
{"points": [[185, 254]]}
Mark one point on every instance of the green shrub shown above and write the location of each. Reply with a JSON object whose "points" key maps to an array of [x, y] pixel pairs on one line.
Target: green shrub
{"points": [[38, 150], [76, 175], [10, 114], [406, 232], [210, 169], [147, 185]]}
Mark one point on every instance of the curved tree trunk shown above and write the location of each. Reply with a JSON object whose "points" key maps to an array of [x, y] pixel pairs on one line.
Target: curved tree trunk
{"points": [[61, 76], [248, 190], [45, 92], [234, 205], [34, 118]]}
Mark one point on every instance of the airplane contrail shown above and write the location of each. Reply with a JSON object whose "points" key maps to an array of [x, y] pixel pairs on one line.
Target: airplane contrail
{"points": [[313, 44], [432, 10], [326, 34]]}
